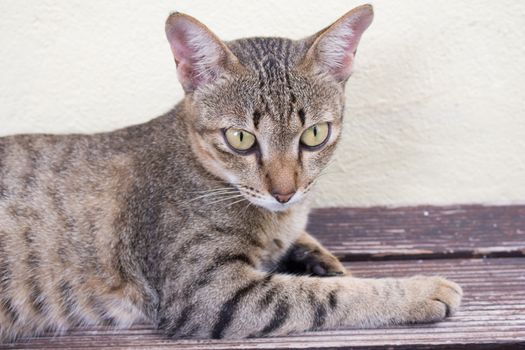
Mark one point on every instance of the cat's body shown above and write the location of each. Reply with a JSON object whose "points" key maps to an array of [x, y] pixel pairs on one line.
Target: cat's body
{"points": [[157, 222], [83, 216]]}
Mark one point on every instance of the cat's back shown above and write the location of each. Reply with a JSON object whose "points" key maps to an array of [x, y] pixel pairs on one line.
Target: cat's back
{"points": [[58, 186], [40, 166], [26, 159]]}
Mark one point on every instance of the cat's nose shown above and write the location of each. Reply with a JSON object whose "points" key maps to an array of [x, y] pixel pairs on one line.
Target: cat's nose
{"points": [[283, 198]]}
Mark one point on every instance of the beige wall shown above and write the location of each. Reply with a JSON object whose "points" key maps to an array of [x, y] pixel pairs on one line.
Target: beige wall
{"points": [[436, 107]]}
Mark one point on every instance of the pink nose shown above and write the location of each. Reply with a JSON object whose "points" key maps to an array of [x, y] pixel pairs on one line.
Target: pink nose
{"points": [[283, 198]]}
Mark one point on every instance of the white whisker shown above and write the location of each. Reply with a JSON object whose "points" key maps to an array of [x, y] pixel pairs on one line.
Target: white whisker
{"points": [[213, 194], [246, 208], [240, 200], [224, 199], [215, 190]]}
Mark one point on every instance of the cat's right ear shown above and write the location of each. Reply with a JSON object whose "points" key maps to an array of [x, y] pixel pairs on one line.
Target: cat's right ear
{"points": [[200, 55]]}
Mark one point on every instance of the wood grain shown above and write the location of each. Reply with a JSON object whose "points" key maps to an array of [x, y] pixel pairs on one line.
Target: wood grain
{"points": [[492, 317], [421, 232]]}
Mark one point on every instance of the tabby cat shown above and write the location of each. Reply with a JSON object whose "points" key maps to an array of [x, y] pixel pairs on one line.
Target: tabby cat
{"points": [[195, 221]]}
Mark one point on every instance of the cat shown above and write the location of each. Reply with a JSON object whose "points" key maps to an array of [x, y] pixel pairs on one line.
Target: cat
{"points": [[195, 221]]}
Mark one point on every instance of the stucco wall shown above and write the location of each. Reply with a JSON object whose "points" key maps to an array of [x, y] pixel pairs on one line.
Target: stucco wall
{"points": [[436, 106]]}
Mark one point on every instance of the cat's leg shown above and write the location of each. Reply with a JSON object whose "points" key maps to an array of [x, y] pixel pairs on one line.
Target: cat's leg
{"points": [[231, 299], [308, 257]]}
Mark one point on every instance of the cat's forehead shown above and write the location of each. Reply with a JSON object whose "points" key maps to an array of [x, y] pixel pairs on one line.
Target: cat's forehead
{"points": [[276, 89], [269, 57]]}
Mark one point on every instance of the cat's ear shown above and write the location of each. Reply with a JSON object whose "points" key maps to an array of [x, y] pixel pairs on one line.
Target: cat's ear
{"points": [[199, 54], [333, 49]]}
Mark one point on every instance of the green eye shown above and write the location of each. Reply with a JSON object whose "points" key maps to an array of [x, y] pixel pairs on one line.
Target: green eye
{"points": [[315, 135], [240, 140]]}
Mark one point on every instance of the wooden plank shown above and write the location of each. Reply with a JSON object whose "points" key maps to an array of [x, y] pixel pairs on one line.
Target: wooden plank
{"points": [[492, 317], [421, 232]]}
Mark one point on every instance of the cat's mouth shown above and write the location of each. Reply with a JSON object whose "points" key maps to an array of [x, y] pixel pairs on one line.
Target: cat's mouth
{"points": [[269, 202]]}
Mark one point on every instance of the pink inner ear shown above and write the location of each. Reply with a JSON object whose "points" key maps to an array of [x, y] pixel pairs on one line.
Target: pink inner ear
{"points": [[184, 58], [178, 37], [195, 50], [344, 70], [180, 51], [358, 24], [337, 46]]}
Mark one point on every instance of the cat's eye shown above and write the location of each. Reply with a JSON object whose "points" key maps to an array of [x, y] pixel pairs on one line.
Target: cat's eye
{"points": [[239, 140], [316, 135]]}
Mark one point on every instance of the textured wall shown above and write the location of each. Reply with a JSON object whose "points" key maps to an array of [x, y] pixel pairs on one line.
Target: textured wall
{"points": [[436, 107]]}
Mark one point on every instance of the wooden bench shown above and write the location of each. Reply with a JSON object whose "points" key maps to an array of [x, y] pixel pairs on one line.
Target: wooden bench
{"points": [[482, 248]]}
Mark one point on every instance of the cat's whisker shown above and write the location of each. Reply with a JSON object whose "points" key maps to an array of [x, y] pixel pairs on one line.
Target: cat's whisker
{"points": [[213, 194], [224, 199], [246, 208], [328, 173], [229, 205], [221, 191], [215, 190]]}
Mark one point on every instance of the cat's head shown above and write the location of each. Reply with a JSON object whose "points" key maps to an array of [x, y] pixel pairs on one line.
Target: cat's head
{"points": [[266, 113]]}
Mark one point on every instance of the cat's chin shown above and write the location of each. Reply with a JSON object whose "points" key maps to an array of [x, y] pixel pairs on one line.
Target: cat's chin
{"points": [[272, 205], [276, 207]]}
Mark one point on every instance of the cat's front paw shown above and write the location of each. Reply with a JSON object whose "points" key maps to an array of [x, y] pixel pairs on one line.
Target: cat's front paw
{"points": [[431, 299], [312, 260]]}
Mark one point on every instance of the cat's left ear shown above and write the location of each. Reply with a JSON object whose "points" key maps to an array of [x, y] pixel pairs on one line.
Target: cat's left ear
{"points": [[333, 49], [200, 55]]}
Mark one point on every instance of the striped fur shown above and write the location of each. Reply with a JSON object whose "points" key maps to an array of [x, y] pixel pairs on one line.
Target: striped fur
{"points": [[163, 222]]}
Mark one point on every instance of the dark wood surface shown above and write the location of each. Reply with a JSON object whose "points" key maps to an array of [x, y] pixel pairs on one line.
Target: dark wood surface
{"points": [[421, 232], [482, 248]]}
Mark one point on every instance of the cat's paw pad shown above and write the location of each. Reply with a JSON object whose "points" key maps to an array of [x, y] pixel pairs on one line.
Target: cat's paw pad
{"points": [[432, 298]]}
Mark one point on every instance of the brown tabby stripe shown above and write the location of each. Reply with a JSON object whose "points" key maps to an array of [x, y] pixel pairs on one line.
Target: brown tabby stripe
{"points": [[248, 237], [9, 310], [36, 297], [66, 296], [266, 280], [302, 116], [267, 299], [332, 299], [228, 310], [256, 119], [280, 316], [255, 49], [6, 303], [181, 321], [33, 263], [300, 157], [98, 307], [59, 208], [198, 239], [29, 178], [206, 276], [319, 312], [65, 158]]}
